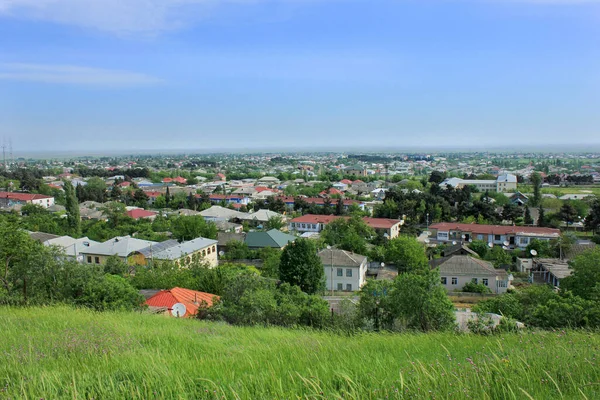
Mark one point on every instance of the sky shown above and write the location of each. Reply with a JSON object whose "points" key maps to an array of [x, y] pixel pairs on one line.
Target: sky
{"points": [[90, 76]]}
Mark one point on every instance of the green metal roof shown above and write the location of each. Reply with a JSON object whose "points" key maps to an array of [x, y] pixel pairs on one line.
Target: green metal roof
{"points": [[272, 238]]}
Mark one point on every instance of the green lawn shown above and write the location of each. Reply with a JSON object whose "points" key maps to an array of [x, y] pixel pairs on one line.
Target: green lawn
{"points": [[60, 353]]}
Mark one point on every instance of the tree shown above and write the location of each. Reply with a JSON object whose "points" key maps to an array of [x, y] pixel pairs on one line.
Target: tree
{"points": [[437, 177], [480, 247], [110, 292], [421, 302], [141, 198], [349, 234], [592, 221], [275, 222], [567, 213], [527, 220], [115, 266], [301, 266], [376, 303], [536, 181], [585, 278], [116, 193], [498, 256], [541, 217], [115, 213], [511, 212], [72, 208], [407, 254], [160, 202], [192, 227]]}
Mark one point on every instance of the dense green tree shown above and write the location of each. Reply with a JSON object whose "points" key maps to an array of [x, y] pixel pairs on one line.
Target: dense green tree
{"points": [[536, 182], [585, 278], [140, 198], [115, 213], [498, 256], [192, 227], [72, 208], [275, 222], [116, 193], [592, 221], [407, 254], [480, 247], [567, 213], [160, 202], [437, 177], [301, 266], [541, 217], [110, 292], [420, 302], [511, 212], [527, 220], [376, 304], [349, 234]]}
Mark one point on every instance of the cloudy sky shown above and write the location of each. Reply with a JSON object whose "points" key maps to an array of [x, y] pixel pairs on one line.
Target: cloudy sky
{"points": [[94, 75]]}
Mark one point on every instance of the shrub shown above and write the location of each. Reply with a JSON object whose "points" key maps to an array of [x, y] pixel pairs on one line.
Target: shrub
{"points": [[472, 287]]}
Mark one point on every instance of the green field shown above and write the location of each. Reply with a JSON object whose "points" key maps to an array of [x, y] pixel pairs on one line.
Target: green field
{"points": [[60, 353]]}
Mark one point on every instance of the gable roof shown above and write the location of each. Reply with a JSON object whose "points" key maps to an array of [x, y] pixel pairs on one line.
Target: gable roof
{"points": [[341, 258], [138, 213], [273, 238], [221, 212], [495, 229], [121, 246], [262, 216], [179, 250], [23, 196], [466, 265], [190, 298]]}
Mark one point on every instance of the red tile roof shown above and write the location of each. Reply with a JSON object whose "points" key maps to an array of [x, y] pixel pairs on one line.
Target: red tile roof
{"points": [[23, 196], [190, 298], [153, 194], [346, 181], [494, 229], [315, 219], [332, 192], [138, 213], [179, 179], [125, 184]]}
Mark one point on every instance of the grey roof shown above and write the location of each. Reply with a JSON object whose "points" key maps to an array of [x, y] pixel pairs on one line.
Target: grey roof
{"points": [[466, 265], [91, 204], [181, 249], [186, 212], [226, 225], [71, 246], [42, 236], [226, 237], [262, 216], [219, 212], [152, 250], [458, 248], [508, 178], [273, 238], [557, 267], [341, 258], [122, 246], [56, 208]]}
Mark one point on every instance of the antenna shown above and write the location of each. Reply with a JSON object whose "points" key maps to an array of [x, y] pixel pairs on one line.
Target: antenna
{"points": [[490, 245], [178, 310], [533, 252], [506, 243]]}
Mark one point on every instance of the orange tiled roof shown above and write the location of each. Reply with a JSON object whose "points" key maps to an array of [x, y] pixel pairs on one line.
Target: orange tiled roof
{"points": [[190, 298]]}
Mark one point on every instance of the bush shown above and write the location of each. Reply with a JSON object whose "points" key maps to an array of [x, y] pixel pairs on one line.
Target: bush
{"points": [[472, 287]]}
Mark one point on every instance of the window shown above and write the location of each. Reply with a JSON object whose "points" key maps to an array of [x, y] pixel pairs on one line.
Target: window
{"points": [[89, 259], [501, 283], [214, 249], [349, 272], [479, 237], [474, 280], [208, 252], [349, 287], [203, 253], [340, 287], [340, 272], [444, 280], [496, 237], [97, 260], [455, 281], [485, 281]]}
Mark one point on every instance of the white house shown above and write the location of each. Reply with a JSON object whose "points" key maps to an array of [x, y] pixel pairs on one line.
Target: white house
{"points": [[344, 270], [457, 270], [504, 183]]}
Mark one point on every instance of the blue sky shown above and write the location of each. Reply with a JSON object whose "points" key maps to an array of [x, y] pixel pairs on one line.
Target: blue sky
{"points": [[94, 75]]}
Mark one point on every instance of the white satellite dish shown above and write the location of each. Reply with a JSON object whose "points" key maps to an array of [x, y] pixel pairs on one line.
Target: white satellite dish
{"points": [[533, 252], [221, 253], [470, 240], [454, 242], [490, 245], [427, 241], [428, 233], [505, 247], [178, 310], [506, 243]]}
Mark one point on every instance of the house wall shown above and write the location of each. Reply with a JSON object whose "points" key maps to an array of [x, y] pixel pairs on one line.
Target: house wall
{"points": [[99, 259], [357, 280], [461, 280], [44, 202]]}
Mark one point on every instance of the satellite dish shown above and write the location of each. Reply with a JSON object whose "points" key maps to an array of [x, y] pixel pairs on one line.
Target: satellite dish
{"points": [[427, 241], [533, 252], [221, 253], [428, 233], [470, 240], [504, 247], [506, 243], [178, 310], [490, 245], [454, 242]]}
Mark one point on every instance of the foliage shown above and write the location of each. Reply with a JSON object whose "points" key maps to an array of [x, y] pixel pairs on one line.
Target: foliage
{"points": [[72, 208], [472, 287], [301, 266], [192, 227], [498, 256], [585, 278], [275, 222], [480, 247], [110, 292], [592, 221], [407, 254], [542, 248], [349, 234]]}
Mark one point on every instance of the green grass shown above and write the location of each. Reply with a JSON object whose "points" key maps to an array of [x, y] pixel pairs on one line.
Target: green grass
{"points": [[60, 353], [560, 191]]}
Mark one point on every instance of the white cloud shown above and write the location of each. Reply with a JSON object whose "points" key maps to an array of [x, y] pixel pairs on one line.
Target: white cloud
{"points": [[75, 75]]}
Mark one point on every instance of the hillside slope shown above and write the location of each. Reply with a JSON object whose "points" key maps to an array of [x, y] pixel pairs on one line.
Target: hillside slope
{"points": [[59, 353]]}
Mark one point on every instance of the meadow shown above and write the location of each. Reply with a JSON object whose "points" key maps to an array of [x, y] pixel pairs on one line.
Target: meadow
{"points": [[63, 353]]}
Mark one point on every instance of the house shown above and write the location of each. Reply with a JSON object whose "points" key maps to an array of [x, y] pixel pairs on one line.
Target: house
{"points": [[344, 270], [9, 199], [342, 187], [390, 228], [378, 194], [72, 247], [228, 199], [514, 236], [138, 213], [457, 270], [124, 184], [121, 246], [518, 198], [459, 250], [289, 202], [549, 270], [164, 300], [152, 196], [504, 183], [356, 170], [220, 177], [179, 180], [182, 254], [261, 217], [273, 238], [216, 213]]}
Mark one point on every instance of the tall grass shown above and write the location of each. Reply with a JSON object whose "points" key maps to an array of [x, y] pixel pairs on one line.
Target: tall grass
{"points": [[61, 353]]}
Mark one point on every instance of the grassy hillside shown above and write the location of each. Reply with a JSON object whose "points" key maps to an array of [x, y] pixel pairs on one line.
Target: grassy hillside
{"points": [[59, 353]]}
